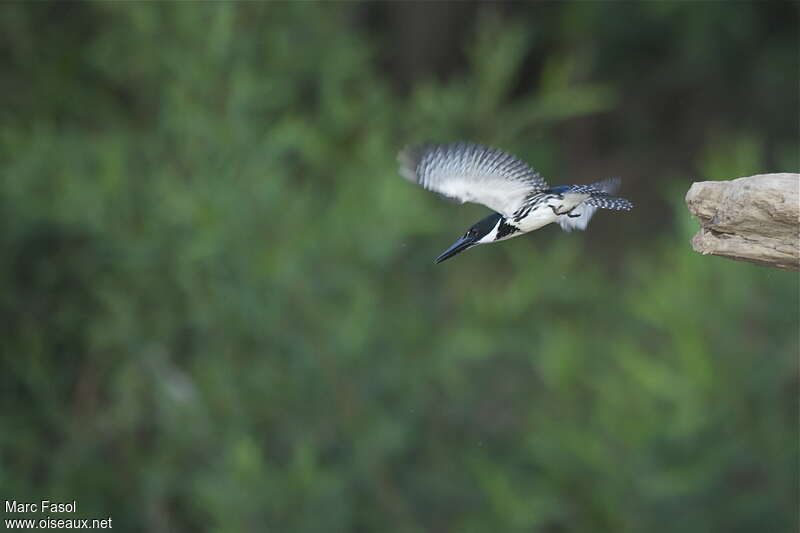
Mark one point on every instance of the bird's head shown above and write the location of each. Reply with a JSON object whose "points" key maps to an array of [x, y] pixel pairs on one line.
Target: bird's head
{"points": [[483, 231]]}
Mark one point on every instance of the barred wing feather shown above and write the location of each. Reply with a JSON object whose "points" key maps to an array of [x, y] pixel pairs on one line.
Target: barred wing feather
{"points": [[470, 172]]}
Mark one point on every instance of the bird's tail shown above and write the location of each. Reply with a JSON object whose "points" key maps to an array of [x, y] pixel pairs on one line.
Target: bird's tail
{"points": [[600, 196]]}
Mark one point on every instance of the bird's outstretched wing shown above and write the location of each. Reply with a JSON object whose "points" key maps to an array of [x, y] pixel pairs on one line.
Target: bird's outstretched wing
{"points": [[470, 172], [600, 197]]}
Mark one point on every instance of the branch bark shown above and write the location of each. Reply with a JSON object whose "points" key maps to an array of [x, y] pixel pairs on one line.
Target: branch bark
{"points": [[754, 219]]}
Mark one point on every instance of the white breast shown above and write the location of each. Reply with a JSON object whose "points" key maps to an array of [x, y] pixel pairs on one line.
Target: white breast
{"points": [[537, 218]]}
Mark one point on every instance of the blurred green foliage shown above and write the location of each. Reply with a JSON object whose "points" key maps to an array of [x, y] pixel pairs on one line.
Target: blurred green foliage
{"points": [[219, 307]]}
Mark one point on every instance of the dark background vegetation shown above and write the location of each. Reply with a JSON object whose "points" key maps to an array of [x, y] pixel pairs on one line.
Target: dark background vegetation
{"points": [[219, 309]]}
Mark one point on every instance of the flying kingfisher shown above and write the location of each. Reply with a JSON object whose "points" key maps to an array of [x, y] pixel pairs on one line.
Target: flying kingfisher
{"points": [[470, 172]]}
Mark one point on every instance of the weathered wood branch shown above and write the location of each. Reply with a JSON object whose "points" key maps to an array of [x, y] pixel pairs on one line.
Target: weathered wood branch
{"points": [[754, 219]]}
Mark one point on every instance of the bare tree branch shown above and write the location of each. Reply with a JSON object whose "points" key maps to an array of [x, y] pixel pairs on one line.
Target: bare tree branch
{"points": [[754, 219]]}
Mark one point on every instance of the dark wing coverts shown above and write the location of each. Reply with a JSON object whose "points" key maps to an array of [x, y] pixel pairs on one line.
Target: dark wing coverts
{"points": [[471, 172]]}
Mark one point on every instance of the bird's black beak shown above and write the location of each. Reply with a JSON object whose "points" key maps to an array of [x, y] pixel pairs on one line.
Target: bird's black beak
{"points": [[457, 247]]}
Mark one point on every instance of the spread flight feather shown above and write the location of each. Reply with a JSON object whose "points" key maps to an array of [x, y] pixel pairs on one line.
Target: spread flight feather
{"points": [[469, 172]]}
